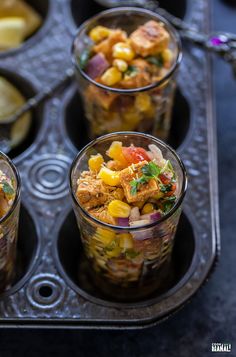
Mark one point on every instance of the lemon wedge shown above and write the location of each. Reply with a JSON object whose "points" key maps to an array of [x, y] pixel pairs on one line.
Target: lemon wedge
{"points": [[19, 8], [10, 100], [12, 31]]}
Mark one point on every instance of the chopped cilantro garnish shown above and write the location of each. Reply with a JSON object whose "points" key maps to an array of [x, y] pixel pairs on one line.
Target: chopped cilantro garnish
{"points": [[166, 188], [156, 60], [7, 188], [131, 71], [84, 57], [168, 203], [150, 170]]}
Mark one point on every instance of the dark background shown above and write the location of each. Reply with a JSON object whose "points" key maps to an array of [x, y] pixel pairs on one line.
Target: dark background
{"points": [[211, 316]]}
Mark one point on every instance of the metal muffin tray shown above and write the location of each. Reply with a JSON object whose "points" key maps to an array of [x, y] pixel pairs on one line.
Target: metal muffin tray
{"points": [[52, 288]]}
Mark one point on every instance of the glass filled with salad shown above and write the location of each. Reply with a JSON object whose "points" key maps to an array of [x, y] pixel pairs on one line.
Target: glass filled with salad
{"points": [[127, 191], [9, 217], [126, 61]]}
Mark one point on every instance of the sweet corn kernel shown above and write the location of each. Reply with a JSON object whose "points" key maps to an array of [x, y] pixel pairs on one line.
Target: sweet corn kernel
{"points": [[104, 236], [99, 33], [158, 195], [147, 208], [123, 51], [111, 178], [125, 240], [120, 64], [143, 102], [115, 152], [111, 76], [117, 208], [95, 162], [167, 55]]}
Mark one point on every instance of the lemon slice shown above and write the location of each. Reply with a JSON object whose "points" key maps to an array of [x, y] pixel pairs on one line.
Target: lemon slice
{"points": [[18, 8], [12, 31], [10, 100]]}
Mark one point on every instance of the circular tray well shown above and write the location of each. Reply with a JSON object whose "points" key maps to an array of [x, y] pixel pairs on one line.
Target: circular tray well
{"points": [[28, 92], [81, 10], [77, 125], [27, 251], [76, 270]]}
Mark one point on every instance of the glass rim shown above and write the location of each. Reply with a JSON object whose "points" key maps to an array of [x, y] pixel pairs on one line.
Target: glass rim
{"points": [[171, 30], [145, 226], [18, 187]]}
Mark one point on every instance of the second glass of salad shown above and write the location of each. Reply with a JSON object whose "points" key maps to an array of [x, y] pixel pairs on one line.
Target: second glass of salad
{"points": [[127, 191], [126, 61], [9, 217]]}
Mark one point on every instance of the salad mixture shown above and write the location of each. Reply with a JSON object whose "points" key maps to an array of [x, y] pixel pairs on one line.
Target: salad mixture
{"points": [[126, 61], [134, 188], [7, 195], [8, 231]]}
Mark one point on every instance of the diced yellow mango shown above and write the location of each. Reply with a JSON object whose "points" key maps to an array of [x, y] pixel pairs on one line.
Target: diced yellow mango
{"points": [[143, 102], [111, 178], [125, 240], [95, 162], [117, 208], [115, 152], [123, 51], [99, 33], [104, 236], [167, 55]]}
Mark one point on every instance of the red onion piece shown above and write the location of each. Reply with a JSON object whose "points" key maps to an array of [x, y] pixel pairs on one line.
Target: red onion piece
{"points": [[152, 217], [96, 66], [123, 222]]}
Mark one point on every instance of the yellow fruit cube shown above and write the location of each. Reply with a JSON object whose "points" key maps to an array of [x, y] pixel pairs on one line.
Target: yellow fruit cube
{"points": [[95, 162], [147, 208], [105, 236], [167, 55], [12, 30], [125, 241], [123, 51], [115, 152], [111, 76], [143, 102], [111, 178], [99, 33], [117, 208], [120, 64]]}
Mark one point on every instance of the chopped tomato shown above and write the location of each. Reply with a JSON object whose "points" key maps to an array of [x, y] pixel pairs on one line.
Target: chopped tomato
{"points": [[165, 179], [133, 154], [173, 188]]}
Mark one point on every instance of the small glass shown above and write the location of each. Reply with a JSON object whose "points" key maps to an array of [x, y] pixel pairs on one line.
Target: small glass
{"points": [[146, 109], [138, 268], [9, 226]]}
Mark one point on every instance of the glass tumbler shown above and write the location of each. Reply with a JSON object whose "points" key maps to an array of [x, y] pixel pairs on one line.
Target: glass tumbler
{"points": [[127, 262], [9, 225], [145, 109]]}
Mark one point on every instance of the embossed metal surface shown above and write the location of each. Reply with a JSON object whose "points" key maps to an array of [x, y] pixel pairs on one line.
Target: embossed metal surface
{"points": [[44, 294]]}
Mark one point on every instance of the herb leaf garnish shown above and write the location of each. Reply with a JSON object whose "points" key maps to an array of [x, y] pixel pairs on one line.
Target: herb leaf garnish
{"points": [[156, 60], [7, 188], [168, 203], [131, 71], [150, 171], [166, 188], [84, 58]]}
